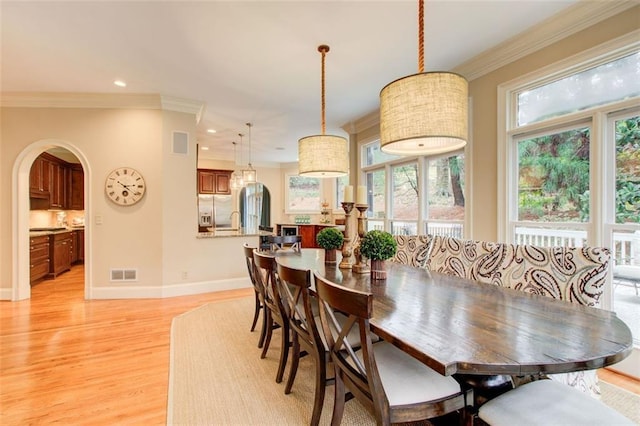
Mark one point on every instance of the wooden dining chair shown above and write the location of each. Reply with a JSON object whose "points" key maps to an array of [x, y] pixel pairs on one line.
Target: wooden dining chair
{"points": [[258, 293], [275, 310], [306, 334], [285, 242], [388, 381]]}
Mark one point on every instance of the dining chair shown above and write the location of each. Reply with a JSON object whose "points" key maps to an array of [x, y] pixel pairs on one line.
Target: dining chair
{"points": [[282, 242], [412, 249], [388, 381], [547, 402], [258, 293], [275, 310]]}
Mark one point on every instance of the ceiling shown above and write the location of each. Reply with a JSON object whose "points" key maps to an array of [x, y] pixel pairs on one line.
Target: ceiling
{"points": [[250, 61]]}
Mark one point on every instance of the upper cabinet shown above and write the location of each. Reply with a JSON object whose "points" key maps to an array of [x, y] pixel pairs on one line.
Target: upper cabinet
{"points": [[56, 184], [214, 181]]}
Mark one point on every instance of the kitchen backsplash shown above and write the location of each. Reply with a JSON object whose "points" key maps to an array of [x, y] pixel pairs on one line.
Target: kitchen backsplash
{"points": [[50, 218]]}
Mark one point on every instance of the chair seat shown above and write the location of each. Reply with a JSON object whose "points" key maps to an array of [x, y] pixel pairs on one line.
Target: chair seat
{"points": [[548, 402], [406, 380]]}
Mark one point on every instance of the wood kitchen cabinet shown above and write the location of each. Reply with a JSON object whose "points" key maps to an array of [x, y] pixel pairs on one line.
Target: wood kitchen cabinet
{"points": [[75, 187], [80, 244], [214, 181], [61, 250], [40, 179], [39, 257], [58, 192]]}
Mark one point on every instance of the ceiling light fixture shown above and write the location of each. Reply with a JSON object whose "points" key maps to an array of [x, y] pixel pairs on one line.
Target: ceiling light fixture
{"points": [[249, 175], [120, 83], [323, 155], [424, 113], [211, 130], [236, 178]]}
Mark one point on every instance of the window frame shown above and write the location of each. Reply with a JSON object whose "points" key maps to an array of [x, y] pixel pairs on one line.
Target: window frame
{"points": [[287, 209]]}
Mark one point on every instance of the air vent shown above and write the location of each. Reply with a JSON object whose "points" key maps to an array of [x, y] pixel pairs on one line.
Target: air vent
{"points": [[180, 143], [124, 275]]}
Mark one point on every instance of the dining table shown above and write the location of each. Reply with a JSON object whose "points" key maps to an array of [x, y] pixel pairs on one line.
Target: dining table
{"points": [[455, 325]]}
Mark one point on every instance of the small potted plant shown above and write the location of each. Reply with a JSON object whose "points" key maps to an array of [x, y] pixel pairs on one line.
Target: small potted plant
{"points": [[330, 239], [378, 246]]}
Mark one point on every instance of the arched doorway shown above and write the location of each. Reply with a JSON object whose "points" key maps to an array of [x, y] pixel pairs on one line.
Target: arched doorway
{"points": [[21, 286]]}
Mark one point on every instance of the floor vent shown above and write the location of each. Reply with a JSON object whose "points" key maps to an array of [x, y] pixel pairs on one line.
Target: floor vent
{"points": [[124, 275]]}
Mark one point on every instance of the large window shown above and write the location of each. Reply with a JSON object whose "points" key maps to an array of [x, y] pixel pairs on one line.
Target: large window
{"points": [[303, 194], [414, 196], [571, 164]]}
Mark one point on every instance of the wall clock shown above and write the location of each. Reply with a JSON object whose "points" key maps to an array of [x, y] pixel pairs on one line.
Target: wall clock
{"points": [[125, 186]]}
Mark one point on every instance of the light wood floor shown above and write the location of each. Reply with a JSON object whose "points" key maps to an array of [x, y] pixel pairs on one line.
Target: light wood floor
{"points": [[67, 360]]}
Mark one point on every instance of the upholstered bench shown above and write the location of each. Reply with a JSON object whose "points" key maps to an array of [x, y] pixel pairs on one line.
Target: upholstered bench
{"points": [[412, 249]]}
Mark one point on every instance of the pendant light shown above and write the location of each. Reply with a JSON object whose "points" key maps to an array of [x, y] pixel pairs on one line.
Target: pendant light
{"points": [[323, 156], [424, 113], [249, 175], [239, 182], [236, 179]]}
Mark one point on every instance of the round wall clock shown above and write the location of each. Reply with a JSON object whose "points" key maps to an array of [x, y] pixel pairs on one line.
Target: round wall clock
{"points": [[125, 186]]}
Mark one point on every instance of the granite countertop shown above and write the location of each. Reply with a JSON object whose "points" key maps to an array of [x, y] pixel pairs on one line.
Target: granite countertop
{"points": [[227, 233], [36, 232]]}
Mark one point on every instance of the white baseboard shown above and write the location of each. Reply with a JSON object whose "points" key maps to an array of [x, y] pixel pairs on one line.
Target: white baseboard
{"points": [[173, 290], [5, 293]]}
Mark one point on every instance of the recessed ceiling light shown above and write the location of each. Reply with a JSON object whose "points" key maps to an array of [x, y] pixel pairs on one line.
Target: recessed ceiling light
{"points": [[211, 130], [120, 83], [204, 148]]}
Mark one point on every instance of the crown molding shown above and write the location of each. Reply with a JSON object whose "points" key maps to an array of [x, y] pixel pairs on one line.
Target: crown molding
{"points": [[362, 123], [575, 18], [188, 106]]}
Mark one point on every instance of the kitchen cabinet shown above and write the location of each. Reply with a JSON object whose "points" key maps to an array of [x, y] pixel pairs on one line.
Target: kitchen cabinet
{"points": [[80, 244], [308, 232], [58, 195], [214, 181], [61, 249], [75, 187], [39, 257], [40, 179]]}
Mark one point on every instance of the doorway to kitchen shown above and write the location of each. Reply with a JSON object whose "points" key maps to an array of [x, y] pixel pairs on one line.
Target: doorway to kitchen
{"points": [[23, 217]]}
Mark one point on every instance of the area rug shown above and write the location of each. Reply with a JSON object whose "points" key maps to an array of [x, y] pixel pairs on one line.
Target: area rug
{"points": [[216, 376]]}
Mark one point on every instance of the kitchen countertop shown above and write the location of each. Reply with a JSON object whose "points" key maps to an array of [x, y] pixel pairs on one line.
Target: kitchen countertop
{"points": [[227, 233], [37, 232]]}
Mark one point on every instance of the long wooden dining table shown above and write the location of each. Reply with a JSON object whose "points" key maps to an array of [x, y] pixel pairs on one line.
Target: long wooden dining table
{"points": [[455, 325]]}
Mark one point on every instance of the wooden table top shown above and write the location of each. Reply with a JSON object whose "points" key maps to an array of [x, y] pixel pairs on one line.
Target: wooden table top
{"points": [[456, 325]]}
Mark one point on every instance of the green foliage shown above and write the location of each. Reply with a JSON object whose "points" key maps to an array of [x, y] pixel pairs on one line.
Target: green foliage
{"points": [[628, 203], [330, 238], [378, 245]]}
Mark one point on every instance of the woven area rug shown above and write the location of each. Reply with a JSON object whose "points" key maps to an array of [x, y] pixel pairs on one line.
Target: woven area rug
{"points": [[216, 376]]}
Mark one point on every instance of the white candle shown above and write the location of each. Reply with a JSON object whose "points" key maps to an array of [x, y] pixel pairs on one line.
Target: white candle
{"points": [[361, 195], [348, 194]]}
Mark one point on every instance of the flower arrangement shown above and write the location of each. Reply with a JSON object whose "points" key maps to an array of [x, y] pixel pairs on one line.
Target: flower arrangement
{"points": [[378, 245]]}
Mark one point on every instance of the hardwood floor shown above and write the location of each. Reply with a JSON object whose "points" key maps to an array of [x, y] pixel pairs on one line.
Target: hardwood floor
{"points": [[73, 361]]}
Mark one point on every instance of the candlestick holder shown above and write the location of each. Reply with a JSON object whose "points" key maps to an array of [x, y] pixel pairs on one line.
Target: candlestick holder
{"points": [[361, 266], [346, 247]]}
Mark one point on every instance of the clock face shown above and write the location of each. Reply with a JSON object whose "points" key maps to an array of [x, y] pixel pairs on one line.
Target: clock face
{"points": [[125, 186]]}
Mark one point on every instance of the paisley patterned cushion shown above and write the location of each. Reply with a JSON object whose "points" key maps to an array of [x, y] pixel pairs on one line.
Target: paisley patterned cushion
{"points": [[573, 274], [412, 249]]}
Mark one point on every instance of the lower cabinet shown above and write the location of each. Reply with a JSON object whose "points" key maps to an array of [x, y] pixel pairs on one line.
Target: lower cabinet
{"points": [[39, 257], [309, 233], [61, 249]]}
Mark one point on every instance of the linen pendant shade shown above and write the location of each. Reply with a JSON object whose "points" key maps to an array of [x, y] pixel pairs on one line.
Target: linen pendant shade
{"points": [[424, 113], [324, 156]]}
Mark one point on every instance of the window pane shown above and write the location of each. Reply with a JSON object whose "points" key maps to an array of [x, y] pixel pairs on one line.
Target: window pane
{"points": [[628, 170], [445, 197], [616, 80], [304, 194], [405, 192], [341, 182], [553, 177], [375, 194], [626, 270], [371, 154], [404, 228]]}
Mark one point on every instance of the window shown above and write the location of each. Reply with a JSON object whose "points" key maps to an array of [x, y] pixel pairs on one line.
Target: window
{"points": [[341, 182], [303, 194], [416, 196], [570, 158]]}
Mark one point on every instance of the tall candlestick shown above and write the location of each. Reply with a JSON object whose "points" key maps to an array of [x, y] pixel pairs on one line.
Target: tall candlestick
{"points": [[348, 194], [361, 195], [347, 250]]}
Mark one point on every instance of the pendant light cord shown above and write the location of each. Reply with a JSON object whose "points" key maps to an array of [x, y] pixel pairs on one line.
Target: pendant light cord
{"points": [[420, 36], [249, 126], [323, 49]]}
